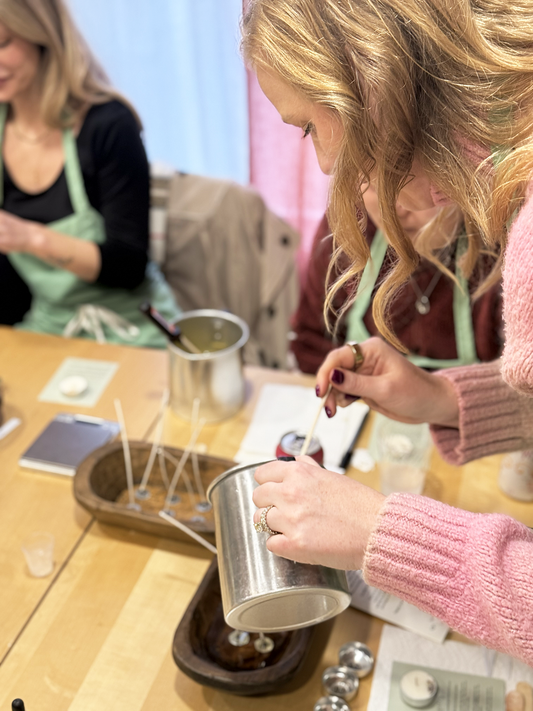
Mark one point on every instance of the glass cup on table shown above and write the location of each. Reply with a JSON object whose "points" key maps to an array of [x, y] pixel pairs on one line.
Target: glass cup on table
{"points": [[403, 454], [38, 550]]}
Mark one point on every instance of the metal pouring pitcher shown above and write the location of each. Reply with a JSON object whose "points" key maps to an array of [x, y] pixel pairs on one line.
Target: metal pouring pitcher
{"points": [[215, 375], [262, 592]]}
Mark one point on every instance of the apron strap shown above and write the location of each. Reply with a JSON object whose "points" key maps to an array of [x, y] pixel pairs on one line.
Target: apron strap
{"points": [[73, 174], [462, 309], [465, 341], [356, 329]]}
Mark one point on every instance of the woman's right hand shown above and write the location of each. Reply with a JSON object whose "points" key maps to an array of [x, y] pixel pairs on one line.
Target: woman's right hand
{"points": [[389, 383]]}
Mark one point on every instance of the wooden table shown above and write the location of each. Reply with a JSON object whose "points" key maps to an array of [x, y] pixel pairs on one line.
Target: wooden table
{"points": [[31, 501], [98, 633]]}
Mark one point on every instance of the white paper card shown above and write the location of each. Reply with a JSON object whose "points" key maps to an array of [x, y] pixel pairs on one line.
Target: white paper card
{"points": [[391, 609], [285, 408], [398, 645], [97, 373]]}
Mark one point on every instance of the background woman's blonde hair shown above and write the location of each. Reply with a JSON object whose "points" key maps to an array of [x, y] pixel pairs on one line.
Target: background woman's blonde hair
{"points": [[446, 82], [72, 78]]}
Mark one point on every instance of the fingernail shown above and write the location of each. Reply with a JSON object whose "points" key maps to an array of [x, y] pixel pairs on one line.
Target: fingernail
{"points": [[317, 390], [328, 412], [352, 398], [337, 377]]}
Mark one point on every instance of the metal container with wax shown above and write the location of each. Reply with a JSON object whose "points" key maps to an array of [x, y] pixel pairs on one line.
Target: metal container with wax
{"points": [[215, 374], [262, 592]]}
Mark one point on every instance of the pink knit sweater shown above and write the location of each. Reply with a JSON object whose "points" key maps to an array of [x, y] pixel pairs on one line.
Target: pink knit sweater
{"points": [[474, 571], [495, 407]]}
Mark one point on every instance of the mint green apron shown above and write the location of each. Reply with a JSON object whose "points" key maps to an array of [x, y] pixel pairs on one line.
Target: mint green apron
{"points": [[58, 294], [462, 309]]}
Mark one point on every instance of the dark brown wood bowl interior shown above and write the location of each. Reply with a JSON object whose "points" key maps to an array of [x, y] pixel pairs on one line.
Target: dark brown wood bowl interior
{"points": [[201, 648], [100, 486]]}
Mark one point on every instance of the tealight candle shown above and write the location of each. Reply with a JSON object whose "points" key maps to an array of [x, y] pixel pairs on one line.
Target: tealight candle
{"points": [[418, 688]]}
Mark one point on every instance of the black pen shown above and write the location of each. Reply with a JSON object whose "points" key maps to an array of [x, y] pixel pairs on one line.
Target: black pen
{"points": [[347, 456]]}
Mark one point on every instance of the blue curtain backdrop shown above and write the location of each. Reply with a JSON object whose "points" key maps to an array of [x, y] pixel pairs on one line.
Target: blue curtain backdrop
{"points": [[178, 62]]}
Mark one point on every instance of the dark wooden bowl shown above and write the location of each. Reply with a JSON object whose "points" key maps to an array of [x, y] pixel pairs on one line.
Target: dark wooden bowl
{"points": [[202, 651], [100, 486]]}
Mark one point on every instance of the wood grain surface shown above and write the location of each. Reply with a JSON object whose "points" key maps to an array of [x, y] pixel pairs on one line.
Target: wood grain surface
{"points": [[98, 633]]}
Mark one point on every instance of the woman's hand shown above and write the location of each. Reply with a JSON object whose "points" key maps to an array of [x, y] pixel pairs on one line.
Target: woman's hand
{"points": [[16, 234], [78, 256], [389, 383], [324, 518]]}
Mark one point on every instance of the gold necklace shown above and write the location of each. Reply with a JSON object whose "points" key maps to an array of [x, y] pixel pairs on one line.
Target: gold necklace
{"points": [[30, 139]]}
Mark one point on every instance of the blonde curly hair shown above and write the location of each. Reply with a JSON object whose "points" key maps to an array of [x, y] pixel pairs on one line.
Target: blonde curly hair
{"points": [[448, 82]]}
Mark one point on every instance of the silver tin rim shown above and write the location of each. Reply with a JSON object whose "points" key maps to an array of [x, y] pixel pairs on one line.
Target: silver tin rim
{"points": [[212, 313], [229, 472]]}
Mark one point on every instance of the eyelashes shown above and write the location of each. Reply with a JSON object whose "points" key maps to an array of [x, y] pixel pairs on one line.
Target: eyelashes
{"points": [[307, 129]]}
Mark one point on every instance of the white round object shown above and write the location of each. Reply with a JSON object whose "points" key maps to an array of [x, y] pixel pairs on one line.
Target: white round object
{"points": [[73, 386], [399, 445], [418, 688]]}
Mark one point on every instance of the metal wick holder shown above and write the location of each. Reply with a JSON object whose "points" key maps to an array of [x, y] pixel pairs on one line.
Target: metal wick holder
{"points": [[358, 657], [331, 703], [341, 681]]}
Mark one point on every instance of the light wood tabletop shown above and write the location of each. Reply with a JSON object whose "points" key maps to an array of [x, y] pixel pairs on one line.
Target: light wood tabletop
{"points": [[98, 634], [33, 501]]}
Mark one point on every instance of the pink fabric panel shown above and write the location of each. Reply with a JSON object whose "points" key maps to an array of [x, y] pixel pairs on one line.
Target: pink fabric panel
{"points": [[284, 169]]}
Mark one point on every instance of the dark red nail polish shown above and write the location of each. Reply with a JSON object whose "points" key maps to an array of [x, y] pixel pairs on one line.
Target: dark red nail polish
{"points": [[328, 412], [337, 377], [317, 391]]}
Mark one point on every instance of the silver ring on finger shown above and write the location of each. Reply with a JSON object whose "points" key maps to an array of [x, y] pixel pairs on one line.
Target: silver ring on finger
{"points": [[262, 526]]}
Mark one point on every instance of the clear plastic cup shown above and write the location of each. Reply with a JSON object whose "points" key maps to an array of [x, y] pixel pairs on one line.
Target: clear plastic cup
{"points": [[403, 454], [516, 475], [38, 550]]}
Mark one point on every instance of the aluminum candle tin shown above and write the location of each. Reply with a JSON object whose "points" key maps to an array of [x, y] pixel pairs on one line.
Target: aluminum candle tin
{"points": [[358, 657], [291, 445], [262, 592], [331, 703], [341, 681], [214, 376]]}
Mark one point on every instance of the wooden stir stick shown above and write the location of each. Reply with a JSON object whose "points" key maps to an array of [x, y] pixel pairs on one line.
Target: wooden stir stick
{"points": [[307, 440]]}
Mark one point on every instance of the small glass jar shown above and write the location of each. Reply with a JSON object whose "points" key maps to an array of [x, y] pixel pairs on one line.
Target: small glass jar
{"points": [[516, 475]]}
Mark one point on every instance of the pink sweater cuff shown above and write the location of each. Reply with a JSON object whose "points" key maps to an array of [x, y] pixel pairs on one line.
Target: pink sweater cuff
{"points": [[471, 570], [416, 550], [493, 417]]}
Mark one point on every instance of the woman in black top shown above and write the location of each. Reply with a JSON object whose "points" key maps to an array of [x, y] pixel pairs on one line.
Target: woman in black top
{"points": [[74, 223]]}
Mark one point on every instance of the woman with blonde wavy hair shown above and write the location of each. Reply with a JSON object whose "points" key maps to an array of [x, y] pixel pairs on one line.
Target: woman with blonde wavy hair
{"points": [[75, 186], [430, 101]]}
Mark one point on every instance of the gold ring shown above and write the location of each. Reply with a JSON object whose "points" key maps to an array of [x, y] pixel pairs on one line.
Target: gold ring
{"points": [[358, 357], [262, 526]]}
